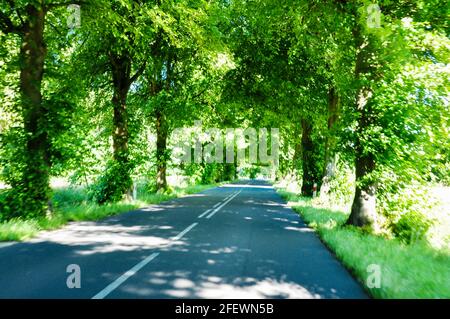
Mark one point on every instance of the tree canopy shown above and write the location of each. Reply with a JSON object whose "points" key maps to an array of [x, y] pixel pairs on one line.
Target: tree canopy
{"points": [[357, 84]]}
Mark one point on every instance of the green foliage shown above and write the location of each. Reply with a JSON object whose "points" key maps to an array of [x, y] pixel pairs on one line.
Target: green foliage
{"points": [[212, 173], [254, 171], [411, 227], [341, 185], [407, 209], [229, 64], [407, 271], [18, 229], [208, 173], [114, 182], [91, 212], [72, 204], [71, 196]]}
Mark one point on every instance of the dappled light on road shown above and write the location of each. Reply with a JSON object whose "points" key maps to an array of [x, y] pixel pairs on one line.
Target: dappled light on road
{"points": [[104, 239], [253, 246]]}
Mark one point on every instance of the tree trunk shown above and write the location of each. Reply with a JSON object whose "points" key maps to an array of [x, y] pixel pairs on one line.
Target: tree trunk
{"points": [[364, 204], [35, 178], [121, 68], [307, 158], [161, 136], [121, 76], [296, 158], [162, 128], [161, 151], [118, 173], [330, 143]]}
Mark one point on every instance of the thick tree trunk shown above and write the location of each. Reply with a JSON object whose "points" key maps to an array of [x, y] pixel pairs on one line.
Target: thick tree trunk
{"points": [[118, 173], [120, 122], [364, 204], [121, 68], [35, 178], [296, 158], [121, 80], [162, 129], [330, 143], [161, 151], [308, 164]]}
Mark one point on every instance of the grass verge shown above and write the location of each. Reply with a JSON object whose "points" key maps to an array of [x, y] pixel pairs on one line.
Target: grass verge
{"points": [[407, 271], [72, 205]]}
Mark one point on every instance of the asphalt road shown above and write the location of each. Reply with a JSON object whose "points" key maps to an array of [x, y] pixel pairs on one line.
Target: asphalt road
{"points": [[235, 241]]}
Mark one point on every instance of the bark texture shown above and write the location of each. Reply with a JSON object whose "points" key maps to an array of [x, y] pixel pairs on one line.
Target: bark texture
{"points": [[35, 176], [330, 142], [364, 203], [308, 165]]}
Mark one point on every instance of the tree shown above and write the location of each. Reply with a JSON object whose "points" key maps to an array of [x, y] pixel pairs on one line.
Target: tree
{"points": [[120, 46], [185, 46], [381, 53], [27, 21]]}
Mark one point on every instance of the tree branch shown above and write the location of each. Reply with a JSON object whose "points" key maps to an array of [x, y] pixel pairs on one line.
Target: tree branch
{"points": [[11, 4], [138, 72], [6, 24]]}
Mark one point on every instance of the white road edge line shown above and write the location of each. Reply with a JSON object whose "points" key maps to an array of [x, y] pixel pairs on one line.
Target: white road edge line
{"points": [[220, 207], [116, 283]]}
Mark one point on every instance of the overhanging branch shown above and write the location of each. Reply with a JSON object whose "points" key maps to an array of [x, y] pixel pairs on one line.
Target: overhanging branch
{"points": [[138, 72], [7, 26]]}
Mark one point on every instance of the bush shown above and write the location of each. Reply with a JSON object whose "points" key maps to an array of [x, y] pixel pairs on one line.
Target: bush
{"points": [[407, 212], [411, 227], [69, 196], [342, 185], [113, 184]]}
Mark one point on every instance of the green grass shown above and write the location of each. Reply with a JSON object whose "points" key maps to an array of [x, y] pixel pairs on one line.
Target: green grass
{"points": [[71, 204], [16, 229], [407, 271]]}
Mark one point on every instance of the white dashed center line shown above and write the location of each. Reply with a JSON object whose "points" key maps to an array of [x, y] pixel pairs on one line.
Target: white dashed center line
{"points": [[116, 283], [204, 213], [184, 232], [220, 207]]}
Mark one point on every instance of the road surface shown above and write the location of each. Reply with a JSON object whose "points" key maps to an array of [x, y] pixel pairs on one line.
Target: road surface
{"points": [[235, 241]]}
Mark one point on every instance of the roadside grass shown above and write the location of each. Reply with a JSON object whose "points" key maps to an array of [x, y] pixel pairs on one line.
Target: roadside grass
{"points": [[72, 204], [16, 229], [407, 271]]}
